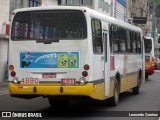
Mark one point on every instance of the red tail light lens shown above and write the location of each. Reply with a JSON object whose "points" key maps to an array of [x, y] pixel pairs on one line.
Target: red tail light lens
{"points": [[13, 74], [11, 67], [86, 67], [84, 73]]}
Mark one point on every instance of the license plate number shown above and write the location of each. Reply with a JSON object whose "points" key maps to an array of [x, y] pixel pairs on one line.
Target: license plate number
{"points": [[49, 75], [68, 81]]}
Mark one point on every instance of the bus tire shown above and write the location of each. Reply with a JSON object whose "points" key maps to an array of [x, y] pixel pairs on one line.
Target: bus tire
{"points": [[57, 102], [137, 88], [115, 98]]}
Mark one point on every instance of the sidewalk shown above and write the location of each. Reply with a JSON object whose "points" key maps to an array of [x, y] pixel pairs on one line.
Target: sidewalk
{"points": [[157, 70], [3, 88]]}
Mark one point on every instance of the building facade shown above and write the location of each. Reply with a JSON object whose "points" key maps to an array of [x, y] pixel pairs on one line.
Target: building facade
{"points": [[140, 9], [6, 8], [103, 6]]}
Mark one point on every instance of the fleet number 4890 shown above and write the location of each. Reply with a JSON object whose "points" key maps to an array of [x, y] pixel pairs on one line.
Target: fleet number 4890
{"points": [[29, 80]]}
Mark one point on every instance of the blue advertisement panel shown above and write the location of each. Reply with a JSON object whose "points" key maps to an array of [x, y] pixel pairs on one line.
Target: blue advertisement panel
{"points": [[49, 60]]}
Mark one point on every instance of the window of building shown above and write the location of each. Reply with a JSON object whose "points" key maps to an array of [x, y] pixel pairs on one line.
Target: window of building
{"points": [[87, 2], [97, 36], [70, 2], [75, 2], [133, 2], [100, 3], [103, 6], [34, 3], [107, 8]]}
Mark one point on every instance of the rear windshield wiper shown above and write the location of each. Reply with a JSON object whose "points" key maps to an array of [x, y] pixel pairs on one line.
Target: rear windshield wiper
{"points": [[48, 41]]}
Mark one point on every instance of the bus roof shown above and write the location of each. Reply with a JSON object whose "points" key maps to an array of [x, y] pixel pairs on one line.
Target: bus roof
{"points": [[91, 11], [148, 37], [115, 21]]}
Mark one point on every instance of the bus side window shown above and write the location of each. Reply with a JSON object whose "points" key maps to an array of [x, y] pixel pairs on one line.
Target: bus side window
{"points": [[133, 41], [138, 43], [115, 46], [110, 38], [122, 40], [114, 39], [128, 45], [97, 36]]}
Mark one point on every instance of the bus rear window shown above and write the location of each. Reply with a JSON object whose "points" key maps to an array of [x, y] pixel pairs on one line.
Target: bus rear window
{"points": [[58, 24], [148, 45]]}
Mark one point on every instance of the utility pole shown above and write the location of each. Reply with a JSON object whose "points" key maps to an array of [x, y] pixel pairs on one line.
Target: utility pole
{"points": [[153, 20]]}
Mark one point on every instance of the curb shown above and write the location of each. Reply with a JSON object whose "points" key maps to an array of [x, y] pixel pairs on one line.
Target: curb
{"points": [[3, 83]]}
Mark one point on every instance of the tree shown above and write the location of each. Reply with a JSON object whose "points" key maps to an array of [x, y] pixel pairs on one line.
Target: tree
{"points": [[156, 1]]}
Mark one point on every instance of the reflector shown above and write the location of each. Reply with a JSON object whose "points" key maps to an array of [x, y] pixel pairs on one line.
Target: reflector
{"points": [[11, 67]]}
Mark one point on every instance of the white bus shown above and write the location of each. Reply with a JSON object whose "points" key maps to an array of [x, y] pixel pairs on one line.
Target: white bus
{"points": [[66, 52], [149, 56]]}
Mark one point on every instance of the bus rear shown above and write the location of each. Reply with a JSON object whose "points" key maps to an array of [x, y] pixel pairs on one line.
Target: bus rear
{"points": [[149, 56], [48, 53]]}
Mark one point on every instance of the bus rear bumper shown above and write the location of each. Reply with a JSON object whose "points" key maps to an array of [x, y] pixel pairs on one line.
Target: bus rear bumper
{"points": [[42, 90]]}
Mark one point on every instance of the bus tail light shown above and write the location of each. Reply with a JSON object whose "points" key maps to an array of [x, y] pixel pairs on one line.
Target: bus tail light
{"points": [[13, 74], [84, 73], [86, 67], [11, 67]]}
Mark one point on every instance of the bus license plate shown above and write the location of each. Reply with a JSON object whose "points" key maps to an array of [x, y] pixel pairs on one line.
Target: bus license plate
{"points": [[49, 75], [68, 81]]}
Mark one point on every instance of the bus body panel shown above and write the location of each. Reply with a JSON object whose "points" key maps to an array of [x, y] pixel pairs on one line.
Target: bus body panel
{"points": [[37, 72]]}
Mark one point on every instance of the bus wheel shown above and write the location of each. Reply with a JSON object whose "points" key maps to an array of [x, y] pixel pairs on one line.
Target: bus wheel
{"points": [[57, 102], [137, 88], [115, 98]]}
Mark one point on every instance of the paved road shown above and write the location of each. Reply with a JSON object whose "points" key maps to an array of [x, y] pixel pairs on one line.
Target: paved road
{"points": [[147, 100]]}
